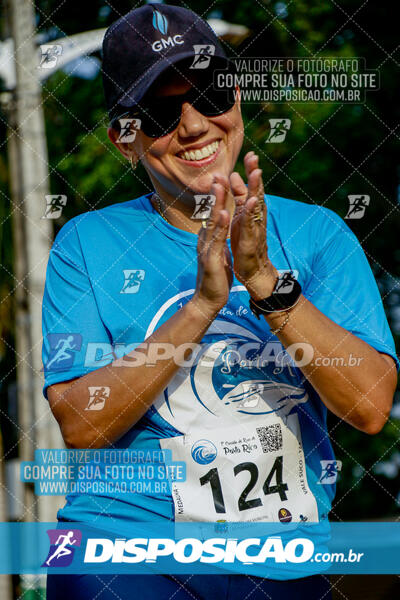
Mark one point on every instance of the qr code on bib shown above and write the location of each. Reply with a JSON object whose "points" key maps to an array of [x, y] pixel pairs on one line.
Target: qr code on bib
{"points": [[270, 437]]}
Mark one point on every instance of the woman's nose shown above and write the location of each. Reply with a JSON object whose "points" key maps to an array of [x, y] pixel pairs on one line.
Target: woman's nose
{"points": [[192, 122]]}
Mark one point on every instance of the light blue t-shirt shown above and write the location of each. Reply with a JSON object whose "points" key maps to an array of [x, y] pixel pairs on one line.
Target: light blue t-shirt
{"points": [[116, 274]]}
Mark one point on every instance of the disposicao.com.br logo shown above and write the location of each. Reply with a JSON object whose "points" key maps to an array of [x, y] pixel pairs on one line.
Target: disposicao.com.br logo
{"points": [[190, 550], [62, 547]]}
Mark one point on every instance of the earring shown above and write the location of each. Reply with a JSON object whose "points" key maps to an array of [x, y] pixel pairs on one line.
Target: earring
{"points": [[133, 164]]}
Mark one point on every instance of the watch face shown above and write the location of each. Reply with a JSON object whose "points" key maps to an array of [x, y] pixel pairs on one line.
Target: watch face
{"points": [[285, 295]]}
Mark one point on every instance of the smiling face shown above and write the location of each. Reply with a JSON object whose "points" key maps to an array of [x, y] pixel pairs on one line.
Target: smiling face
{"points": [[182, 162]]}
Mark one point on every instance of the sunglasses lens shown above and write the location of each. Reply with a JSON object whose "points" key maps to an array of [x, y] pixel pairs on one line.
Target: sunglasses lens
{"points": [[212, 102], [160, 117]]}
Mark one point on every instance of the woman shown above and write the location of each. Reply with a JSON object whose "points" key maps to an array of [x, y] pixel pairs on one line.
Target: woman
{"points": [[142, 282]]}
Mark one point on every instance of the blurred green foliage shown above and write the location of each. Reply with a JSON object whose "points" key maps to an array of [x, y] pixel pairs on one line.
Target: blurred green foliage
{"points": [[331, 151]]}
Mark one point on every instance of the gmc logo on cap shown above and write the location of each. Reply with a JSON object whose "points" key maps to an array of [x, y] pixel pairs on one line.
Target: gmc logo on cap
{"points": [[158, 45]]}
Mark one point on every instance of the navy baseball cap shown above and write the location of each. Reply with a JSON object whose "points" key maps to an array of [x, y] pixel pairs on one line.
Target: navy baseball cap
{"points": [[145, 42]]}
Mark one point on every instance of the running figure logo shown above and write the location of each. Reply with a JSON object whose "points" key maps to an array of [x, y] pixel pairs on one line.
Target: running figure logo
{"points": [[204, 203], [279, 129], [62, 350], [97, 397], [203, 53], [54, 206], [285, 283], [329, 471], [60, 552], [50, 54], [357, 206], [129, 128], [133, 279]]}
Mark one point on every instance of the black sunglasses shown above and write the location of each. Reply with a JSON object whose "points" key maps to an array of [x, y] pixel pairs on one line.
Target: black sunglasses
{"points": [[161, 115]]}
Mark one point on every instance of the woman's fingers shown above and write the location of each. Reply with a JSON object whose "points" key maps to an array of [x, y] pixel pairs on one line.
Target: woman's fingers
{"points": [[250, 162], [216, 247], [224, 182], [239, 193], [247, 234], [218, 241], [217, 228], [254, 175], [254, 183], [256, 188], [238, 187], [248, 154], [214, 275], [248, 231], [218, 191]]}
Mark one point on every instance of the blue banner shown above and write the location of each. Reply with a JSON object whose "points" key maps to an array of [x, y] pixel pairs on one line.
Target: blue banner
{"points": [[163, 547]]}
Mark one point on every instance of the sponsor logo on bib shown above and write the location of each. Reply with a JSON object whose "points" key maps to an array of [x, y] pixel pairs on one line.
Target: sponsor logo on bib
{"points": [[204, 452], [284, 515]]}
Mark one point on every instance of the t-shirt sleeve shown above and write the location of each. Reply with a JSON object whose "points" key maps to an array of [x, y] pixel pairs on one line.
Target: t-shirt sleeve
{"points": [[71, 322], [343, 286]]}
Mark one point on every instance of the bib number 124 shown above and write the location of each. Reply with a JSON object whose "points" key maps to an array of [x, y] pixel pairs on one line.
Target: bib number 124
{"points": [[212, 477]]}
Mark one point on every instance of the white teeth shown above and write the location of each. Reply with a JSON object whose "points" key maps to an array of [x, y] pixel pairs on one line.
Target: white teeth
{"points": [[202, 153]]}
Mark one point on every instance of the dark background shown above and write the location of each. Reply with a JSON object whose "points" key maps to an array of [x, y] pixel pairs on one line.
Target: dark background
{"points": [[332, 150]]}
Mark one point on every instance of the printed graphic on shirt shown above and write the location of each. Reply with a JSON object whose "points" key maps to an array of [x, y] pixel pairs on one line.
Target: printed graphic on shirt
{"points": [[237, 376], [237, 412]]}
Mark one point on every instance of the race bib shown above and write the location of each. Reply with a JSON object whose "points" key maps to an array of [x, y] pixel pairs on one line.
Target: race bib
{"points": [[251, 472]]}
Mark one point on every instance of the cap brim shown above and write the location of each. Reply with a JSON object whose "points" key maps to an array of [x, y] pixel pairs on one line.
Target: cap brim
{"points": [[136, 91]]}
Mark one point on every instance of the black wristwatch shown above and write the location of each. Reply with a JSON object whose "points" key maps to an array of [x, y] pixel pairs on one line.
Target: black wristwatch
{"points": [[285, 295]]}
